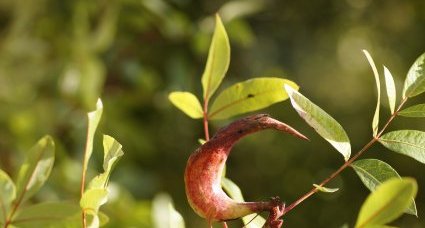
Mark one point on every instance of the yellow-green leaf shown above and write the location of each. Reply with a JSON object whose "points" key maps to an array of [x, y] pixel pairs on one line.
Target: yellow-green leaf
{"points": [[407, 142], [324, 124], [250, 221], [36, 169], [325, 189], [49, 214], [90, 202], [93, 122], [218, 60], [413, 111], [390, 86], [373, 172], [7, 195], [187, 103], [164, 214], [387, 202], [112, 153], [415, 80], [250, 95], [375, 121]]}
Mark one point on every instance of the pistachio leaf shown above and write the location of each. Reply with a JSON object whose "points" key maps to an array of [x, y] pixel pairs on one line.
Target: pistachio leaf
{"points": [[373, 172], [325, 189], [93, 122], [7, 195], [250, 221], [218, 60], [387, 202], [187, 103], [390, 86], [413, 111], [322, 122], [415, 80], [90, 202], [375, 121], [407, 142], [250, 95], [164, 214], [36, 169], [112, 153], [49, 214]]}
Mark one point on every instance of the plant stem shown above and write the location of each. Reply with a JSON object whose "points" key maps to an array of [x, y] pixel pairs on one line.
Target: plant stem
{"points": [[205, 112], [347, 163]]}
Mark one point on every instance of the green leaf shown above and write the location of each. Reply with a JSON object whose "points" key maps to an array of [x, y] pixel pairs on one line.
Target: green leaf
{"points": [[36, 169], [164, 213], [250, 95], [49, 214], [93, 122], [325, 189], [7, 195], [218, 60], [375, 121], [112, 153], [90, 202], [250, 221], [373, 172], [391, 92], [407, 142], [322, 122], [415, 80], [413, 111], [387, 202], [187, 103]]}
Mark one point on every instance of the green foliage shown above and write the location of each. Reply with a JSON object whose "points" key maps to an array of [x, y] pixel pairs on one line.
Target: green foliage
{"points": [[218, 60], [93, 122], [374, 172], [90, 202], [415, 80], [325, 189], [35, 170], [50, 214], [187, 103], [413, 111], [407, 142], [322, 122], [164, 213], [375, 121], [391, 91], [247, 96], [7, 195], [387, 203]]}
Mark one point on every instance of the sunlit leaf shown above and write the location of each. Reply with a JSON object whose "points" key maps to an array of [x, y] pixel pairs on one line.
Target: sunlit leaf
{"points": [[375, 121], [90, 202], [325, 189], [187, 103], [93, 122], [407, 142], [7, 195], [250, 221], [218, 60], [49, 214], [415, 80], [373, 172], [387, 202], [390, 86], [164, 213], [413, 111], [36, 169], [250, 95], [323, 123], [112, 153]]}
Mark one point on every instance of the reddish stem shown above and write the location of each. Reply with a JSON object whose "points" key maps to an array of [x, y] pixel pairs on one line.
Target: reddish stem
{"points": [[347, 163]]}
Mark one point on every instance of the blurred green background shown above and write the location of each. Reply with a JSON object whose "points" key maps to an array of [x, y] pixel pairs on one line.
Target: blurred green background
{"points": [[57, 57]]}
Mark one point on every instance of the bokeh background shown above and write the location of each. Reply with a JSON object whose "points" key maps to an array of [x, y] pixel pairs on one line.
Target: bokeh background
{"points": [[57, 57]]}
